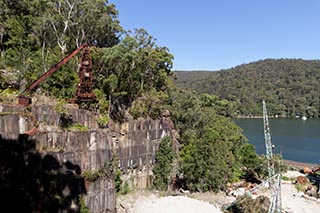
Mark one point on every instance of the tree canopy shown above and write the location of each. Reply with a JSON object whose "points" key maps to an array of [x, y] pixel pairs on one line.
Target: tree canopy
{"points": [[212, 146], [34, 35]]}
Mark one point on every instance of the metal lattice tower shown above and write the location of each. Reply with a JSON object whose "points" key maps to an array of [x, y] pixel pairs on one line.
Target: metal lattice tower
{"points": [[274, 180], [275, 183], [267, 138]]}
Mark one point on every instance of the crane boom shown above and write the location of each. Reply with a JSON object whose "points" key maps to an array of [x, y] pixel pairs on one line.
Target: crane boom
{"points": [[23, 100]]}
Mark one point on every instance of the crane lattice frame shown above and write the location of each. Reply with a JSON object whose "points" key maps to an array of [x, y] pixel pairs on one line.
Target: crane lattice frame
{"points": [[275, 183]]}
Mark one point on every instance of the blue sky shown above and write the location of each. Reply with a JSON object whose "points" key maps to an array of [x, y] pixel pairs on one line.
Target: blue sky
{"points": [[220, 34]]}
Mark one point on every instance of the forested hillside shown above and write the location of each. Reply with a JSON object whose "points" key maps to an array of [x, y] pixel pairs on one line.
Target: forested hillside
{"points": [[290, 86]]}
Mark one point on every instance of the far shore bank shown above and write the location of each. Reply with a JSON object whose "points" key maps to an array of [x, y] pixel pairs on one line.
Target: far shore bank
{"points": [[299, 165], [259, 116]]}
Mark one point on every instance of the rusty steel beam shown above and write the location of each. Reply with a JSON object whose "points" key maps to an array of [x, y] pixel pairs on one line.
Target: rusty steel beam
{"points": [[52, 70]]}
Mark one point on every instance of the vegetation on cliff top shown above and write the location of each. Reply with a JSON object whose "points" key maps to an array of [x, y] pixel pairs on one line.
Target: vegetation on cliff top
{"points": [[35, 35], [290, 86]]}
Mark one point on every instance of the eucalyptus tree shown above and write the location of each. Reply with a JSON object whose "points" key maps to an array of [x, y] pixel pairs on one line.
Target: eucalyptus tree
{"points": [[133, 67], [36, 34], [75, 21]]}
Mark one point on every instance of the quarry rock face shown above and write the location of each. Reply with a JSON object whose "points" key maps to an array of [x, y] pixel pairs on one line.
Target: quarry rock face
{"points": [[135, 143], [79, 162]]}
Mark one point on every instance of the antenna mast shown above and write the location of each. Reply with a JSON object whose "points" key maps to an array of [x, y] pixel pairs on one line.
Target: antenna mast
{"points": [[275, 184], [267, 138]]}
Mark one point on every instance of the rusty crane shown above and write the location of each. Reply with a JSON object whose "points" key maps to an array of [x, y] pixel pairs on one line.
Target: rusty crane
{"points": [[85, 86]]}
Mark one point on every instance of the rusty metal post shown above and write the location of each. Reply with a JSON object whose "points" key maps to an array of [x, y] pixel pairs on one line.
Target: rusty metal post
{"points": [[85, 87]]}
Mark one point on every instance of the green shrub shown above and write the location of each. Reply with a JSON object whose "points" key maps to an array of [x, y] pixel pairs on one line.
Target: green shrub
{"points": [[163, 166], [82, 204], [93, 175], [8, 95], [118, 181], [301, 187], [60, 107], [78, 127], [125, 188], [139, 109], [103, 121]]}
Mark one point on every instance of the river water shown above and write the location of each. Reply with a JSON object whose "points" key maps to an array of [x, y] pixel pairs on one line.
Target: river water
{"points": [[294, 138]]}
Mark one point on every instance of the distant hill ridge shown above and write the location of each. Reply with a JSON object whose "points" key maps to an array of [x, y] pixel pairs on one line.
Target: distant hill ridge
{"points": [[290, 87]]}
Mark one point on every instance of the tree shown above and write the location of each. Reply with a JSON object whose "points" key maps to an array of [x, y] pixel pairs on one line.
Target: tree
{"points": [[76, 21], [163, 164], [209, 156], [136, 65], [249, 159], [34, 35], [208, 162]]}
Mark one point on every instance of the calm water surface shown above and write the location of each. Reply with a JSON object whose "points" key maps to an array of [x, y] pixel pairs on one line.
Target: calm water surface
{"points": [[296, 139]]}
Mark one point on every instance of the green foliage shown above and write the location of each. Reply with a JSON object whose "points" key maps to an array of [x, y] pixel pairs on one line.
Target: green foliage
{"points": [[302, 187], [103, 108], [207, 164], [152, 104], [93, 175], [285, 178], [110, 84], [249, 159], [120, 186], [163, 166], [139, 108], [222, 107], [103, 121], [8, 95], [65, 120], [60, 107], [125, 189], [35, 35], [289, 86], [212, 146], [63, 82], [279, 167], [133, 67], [82, 204], [103, 104], [53, 149], [78, 127], [118, 181]]}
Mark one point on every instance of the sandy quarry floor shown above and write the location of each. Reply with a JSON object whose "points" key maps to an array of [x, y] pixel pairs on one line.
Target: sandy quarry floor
{"points": [[294, 201], [146, 201]]}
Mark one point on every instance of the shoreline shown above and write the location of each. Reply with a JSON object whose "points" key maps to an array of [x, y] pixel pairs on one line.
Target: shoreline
{"points": [[260, 116], [299, 165]]}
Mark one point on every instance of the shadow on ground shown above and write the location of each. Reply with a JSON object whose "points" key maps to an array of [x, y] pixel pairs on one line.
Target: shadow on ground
{"points": [[32, 182]]}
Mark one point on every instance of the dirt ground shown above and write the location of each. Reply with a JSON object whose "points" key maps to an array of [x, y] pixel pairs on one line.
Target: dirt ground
{"points": [[298, 165], [294, 201], [147, 201]]}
